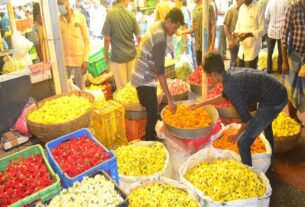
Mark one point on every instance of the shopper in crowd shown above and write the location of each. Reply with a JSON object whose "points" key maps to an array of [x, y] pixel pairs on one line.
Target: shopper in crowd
{"points": [[38, 35], [183, 43], [5, 26], [243, 87], [97, 19], [197, 22], [119, 30], [162, 9], [293, 51], [76, 41], [249, 30], [274, 15], [222, 8], [150, 66], [81, 7], [229, 27]]}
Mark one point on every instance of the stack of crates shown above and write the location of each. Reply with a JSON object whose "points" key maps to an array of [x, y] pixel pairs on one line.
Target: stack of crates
{"points": [[108, 124]]}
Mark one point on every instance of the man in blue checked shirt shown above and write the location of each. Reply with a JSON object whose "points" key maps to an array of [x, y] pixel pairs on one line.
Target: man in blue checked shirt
{"points": [[243, 88]]}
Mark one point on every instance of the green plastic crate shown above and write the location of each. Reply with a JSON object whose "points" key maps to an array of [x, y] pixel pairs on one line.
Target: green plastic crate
{"points": [[97, 63], [42, 195]]}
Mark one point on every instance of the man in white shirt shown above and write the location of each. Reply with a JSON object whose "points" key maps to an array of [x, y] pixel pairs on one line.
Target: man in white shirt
{"points": [[274, 15], [249, 30], [97, 19], [222, 8]]}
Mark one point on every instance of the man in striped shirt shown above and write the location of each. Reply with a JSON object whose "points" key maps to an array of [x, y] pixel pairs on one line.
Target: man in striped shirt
{"points": [[149, 67]]}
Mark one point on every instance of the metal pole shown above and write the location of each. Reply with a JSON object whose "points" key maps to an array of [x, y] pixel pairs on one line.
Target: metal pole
{"points": [[205, 43], [51, 22]]}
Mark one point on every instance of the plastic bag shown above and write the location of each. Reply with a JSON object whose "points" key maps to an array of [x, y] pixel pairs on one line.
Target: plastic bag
{"points": [[21, 45], [21, 125], [161, 179], [126, 181], [262, 60], [260, 161], [211, 154], [183, 67], [104, 77]]}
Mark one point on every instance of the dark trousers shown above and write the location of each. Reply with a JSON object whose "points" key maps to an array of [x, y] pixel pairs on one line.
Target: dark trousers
{"points": [[234, 55], [198, 57], [271, 45], [241, 63], [148, 99], [261, 121]]}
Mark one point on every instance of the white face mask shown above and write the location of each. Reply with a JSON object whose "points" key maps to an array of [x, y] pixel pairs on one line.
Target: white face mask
{"points": [[62, 10]]}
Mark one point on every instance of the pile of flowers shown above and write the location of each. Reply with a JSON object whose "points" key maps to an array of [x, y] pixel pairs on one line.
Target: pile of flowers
{"points": [[226, 180], [224, 143], [216, 91], [160, 194], [284, 126], [23, 177], [138, 160], [61, 110], [79, 155], [186, 118]]}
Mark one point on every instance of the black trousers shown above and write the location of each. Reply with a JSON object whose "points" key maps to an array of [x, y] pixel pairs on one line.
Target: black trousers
{"points": [[148, 99], [241, 63], [198, 57], [271, 45]]}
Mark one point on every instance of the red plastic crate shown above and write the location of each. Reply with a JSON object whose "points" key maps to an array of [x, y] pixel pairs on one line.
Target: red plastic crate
{"points": [[135, 129]]}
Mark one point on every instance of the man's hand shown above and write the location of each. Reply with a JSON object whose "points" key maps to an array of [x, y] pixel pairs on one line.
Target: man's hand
{"points": [[235, 35], [172, 107], [212, 48], [233, 138], [231, 43], [84, 68], [107, 59], [285, 67], [194, 106], [244, 36]]}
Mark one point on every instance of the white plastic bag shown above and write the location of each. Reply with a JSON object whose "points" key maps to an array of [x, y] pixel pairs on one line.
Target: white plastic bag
{"points": [[21, 48], [211, 154], [183, 67], [126, 181], [161, 179], [260, 161]]}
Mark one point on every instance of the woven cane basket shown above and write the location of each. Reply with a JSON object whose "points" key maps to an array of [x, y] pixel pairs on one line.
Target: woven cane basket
{"points": [[285, 144], [48, 132]]}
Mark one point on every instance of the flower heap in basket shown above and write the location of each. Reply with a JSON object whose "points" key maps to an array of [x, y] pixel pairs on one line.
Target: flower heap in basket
{"points": [[196, 77], [186, 118], [61, 110], [78, 155], [141, 160], [216, 91], [92, 191], [23, 177], [284, 126], [161, 193], [128, 95], [226, 180], [177, 87], [224, 143]]}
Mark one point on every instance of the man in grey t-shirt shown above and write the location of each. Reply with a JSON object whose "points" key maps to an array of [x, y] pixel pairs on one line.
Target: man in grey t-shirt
{"points": [[150, 66], [119, 30]]}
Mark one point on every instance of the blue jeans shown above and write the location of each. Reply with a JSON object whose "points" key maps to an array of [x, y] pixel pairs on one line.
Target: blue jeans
{"points": [[261, 121]]}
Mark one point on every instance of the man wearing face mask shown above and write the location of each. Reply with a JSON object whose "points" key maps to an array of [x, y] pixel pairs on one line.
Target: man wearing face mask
{"points": [[150, 66], [76, 41], [250, 28]]}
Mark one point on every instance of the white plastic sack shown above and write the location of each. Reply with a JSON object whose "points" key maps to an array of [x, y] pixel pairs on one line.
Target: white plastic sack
{"points": [[126, 181], [260, 161], [161, 179], [98, 95], [212, 154], [21, 48], [183, 67]]}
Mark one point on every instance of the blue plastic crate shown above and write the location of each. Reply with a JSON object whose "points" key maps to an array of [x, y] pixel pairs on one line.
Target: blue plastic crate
{"points": [[109, 166]]}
